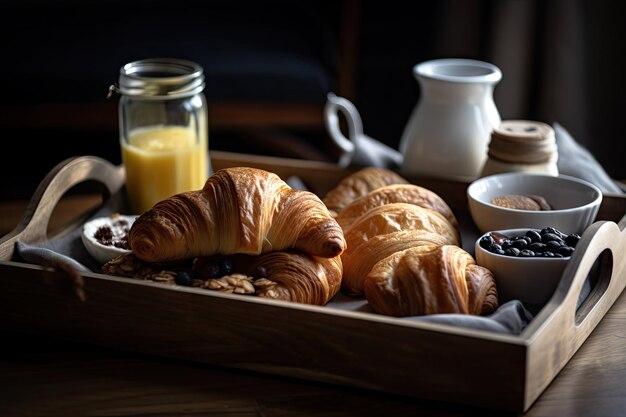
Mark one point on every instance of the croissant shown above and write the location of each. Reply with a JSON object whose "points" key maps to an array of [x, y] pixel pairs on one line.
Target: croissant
{"points": [[289, 275], [239, 210], [396, 193], [395, 217], [430, 280], [359, 259], [359, 184]]}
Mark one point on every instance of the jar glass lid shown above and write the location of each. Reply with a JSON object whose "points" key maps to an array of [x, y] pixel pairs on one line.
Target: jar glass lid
{"points": [[161, 78]]}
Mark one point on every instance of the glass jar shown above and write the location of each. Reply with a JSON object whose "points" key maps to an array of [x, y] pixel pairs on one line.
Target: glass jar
{"points": [[163, 128], [522, 146]]}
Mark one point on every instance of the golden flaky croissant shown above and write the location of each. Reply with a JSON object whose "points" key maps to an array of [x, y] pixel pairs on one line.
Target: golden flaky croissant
{"points": [[359, 184], [396, 193], [394, 217], [431, 280], [374, 236], [358, 260], [239, 210], [287, 275]]}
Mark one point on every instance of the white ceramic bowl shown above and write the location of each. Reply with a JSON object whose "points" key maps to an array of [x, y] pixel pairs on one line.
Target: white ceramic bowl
{"points": [[103, 253], [530, 280], [575, 202]]}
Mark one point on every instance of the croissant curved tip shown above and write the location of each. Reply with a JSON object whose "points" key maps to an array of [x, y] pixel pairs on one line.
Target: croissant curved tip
{"points": [[144, 249], [334, 248]]}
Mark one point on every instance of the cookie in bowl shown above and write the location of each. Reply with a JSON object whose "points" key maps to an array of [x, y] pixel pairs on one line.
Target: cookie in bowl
{"points": [[526, 200]]}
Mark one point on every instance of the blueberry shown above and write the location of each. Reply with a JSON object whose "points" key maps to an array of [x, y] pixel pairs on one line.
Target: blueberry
{"points": [[512, 252], [498, 252], [534, 236], [485, 242], [572, 240], [526, 253], [206, 268], [548, 254], [184, 278], [260, 272], [558, 255], [494, 247], [553, 245], [551, 237], [519, 244], [212, 270], [551, 230], [566, 250], [226, 266], [506, 244], [537, 247]]}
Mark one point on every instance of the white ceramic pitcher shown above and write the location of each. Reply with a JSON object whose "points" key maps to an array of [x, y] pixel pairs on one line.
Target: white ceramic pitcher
{"points": [[448, 133]]}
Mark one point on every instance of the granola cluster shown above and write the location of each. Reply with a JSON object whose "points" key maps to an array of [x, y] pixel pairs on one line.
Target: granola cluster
{"points": [[129, 266]]}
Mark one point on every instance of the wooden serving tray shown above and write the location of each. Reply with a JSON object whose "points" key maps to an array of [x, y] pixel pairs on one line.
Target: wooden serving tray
{"points": [[351, 348]]}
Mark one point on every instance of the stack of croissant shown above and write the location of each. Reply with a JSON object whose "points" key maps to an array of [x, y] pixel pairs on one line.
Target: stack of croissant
{"points": [[373, 235], [403, 249], [287, 233]]}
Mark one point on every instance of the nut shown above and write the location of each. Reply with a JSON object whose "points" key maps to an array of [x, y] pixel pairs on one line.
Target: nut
{"points": [[276, 292], [264, 283], [237, 283]]}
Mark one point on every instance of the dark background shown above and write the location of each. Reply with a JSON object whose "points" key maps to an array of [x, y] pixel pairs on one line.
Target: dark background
{"points": [[562, 62]]}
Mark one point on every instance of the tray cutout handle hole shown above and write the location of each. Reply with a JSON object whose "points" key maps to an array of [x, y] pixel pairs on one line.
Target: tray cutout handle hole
{"points": [[595, 285], [88, 196]]}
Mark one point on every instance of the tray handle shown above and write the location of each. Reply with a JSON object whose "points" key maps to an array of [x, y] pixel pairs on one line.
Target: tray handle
{"points": [[602, 252], [34, 223], [563, 325]]}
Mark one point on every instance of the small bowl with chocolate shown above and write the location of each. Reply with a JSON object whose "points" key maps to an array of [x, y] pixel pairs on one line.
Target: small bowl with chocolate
{"points": [[106, 238], [526, 200], [527, 264]]}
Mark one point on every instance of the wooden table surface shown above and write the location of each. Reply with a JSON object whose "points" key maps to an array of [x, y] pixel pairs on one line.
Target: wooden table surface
{"points": [[42, 377]]}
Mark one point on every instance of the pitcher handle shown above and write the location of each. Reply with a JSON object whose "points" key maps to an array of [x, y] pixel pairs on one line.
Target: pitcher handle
{"points": [[334, 105]]}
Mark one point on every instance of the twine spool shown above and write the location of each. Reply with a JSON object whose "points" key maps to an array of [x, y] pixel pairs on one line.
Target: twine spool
{"points": [[522, 146]]}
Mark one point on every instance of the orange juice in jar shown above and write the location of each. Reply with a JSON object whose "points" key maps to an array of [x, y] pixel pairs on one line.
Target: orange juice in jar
{"points": [[162, 161], [163, 130]]}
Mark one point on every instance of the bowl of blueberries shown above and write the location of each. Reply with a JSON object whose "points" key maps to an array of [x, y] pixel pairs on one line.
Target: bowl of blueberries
{"points": [[527, 264], [518, 199]]}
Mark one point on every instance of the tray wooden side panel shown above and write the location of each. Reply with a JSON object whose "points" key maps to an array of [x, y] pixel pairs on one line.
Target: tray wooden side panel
{"points": [[564, 325], [315, 343]]}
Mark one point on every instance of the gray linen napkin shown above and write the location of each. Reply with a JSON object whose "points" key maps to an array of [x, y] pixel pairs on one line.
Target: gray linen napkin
{"points": [[576, 161], [69, 248], [511, 317], [42, 255]]}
